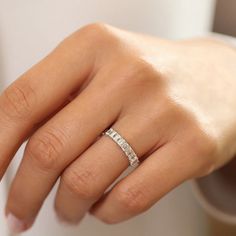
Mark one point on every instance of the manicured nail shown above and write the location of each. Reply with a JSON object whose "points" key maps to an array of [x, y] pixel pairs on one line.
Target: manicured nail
{"points": [[15, 225]]}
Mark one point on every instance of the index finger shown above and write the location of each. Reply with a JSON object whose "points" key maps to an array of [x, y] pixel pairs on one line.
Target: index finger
{"points": [[41, 91]]}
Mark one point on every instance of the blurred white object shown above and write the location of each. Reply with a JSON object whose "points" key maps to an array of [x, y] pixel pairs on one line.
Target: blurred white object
{"points": [[30, 29]]}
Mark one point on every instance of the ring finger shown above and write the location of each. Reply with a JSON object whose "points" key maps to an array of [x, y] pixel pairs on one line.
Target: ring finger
{"points": [[86, 179]]}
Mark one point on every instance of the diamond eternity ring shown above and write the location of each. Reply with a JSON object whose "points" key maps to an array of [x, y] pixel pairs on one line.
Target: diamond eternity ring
{"points": [[124, 145]]}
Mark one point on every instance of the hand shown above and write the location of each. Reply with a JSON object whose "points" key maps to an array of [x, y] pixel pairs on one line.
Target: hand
{"points": [[173, 101]]}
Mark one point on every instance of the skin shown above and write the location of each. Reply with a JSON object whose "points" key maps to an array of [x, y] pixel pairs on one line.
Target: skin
{"points": [[173, 101]]}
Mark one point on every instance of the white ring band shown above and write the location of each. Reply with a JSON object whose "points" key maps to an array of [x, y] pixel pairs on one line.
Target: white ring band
{"points": [[124, 145]]}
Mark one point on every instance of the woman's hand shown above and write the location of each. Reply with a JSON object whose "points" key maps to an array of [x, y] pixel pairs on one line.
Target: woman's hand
{"points": [[174, 102]]}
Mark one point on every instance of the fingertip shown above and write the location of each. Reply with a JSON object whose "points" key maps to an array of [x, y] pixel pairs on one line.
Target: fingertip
{"points": [[16, 225], [66, 221]]}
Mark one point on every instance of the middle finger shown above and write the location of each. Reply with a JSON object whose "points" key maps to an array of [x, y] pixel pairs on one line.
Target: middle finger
{"points": [[86, 179]]}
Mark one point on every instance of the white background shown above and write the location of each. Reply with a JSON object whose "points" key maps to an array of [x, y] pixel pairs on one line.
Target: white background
{"points": [[30, 29]]}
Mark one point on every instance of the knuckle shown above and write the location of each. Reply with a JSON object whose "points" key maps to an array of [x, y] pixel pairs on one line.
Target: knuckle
{"points": [[96, 27], [206, 150], [139, 74], [205, 145], [133, 199], [45, 148], [80, 183], [195, 141], [140, 67], [19, 99], [98, 32], [201, 149], [96, 39]]}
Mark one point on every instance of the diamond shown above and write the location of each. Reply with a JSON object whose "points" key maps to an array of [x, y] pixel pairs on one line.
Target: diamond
{"points": [[124, 145]]}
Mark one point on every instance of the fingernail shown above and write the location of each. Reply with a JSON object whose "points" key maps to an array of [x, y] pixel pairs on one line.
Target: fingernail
{"points": [[15, 225], [66, 221], [61, 219]]}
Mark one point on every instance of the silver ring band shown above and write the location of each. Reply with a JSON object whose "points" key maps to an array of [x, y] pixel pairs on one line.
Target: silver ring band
{"points": [[124, 145]]}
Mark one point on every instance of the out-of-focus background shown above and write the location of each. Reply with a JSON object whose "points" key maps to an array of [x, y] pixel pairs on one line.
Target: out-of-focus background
{"points": [[30, 29], [225, 17]]}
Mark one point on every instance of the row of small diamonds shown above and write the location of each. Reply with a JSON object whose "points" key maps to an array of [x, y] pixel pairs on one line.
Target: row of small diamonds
{"points": [[124, 145]]}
